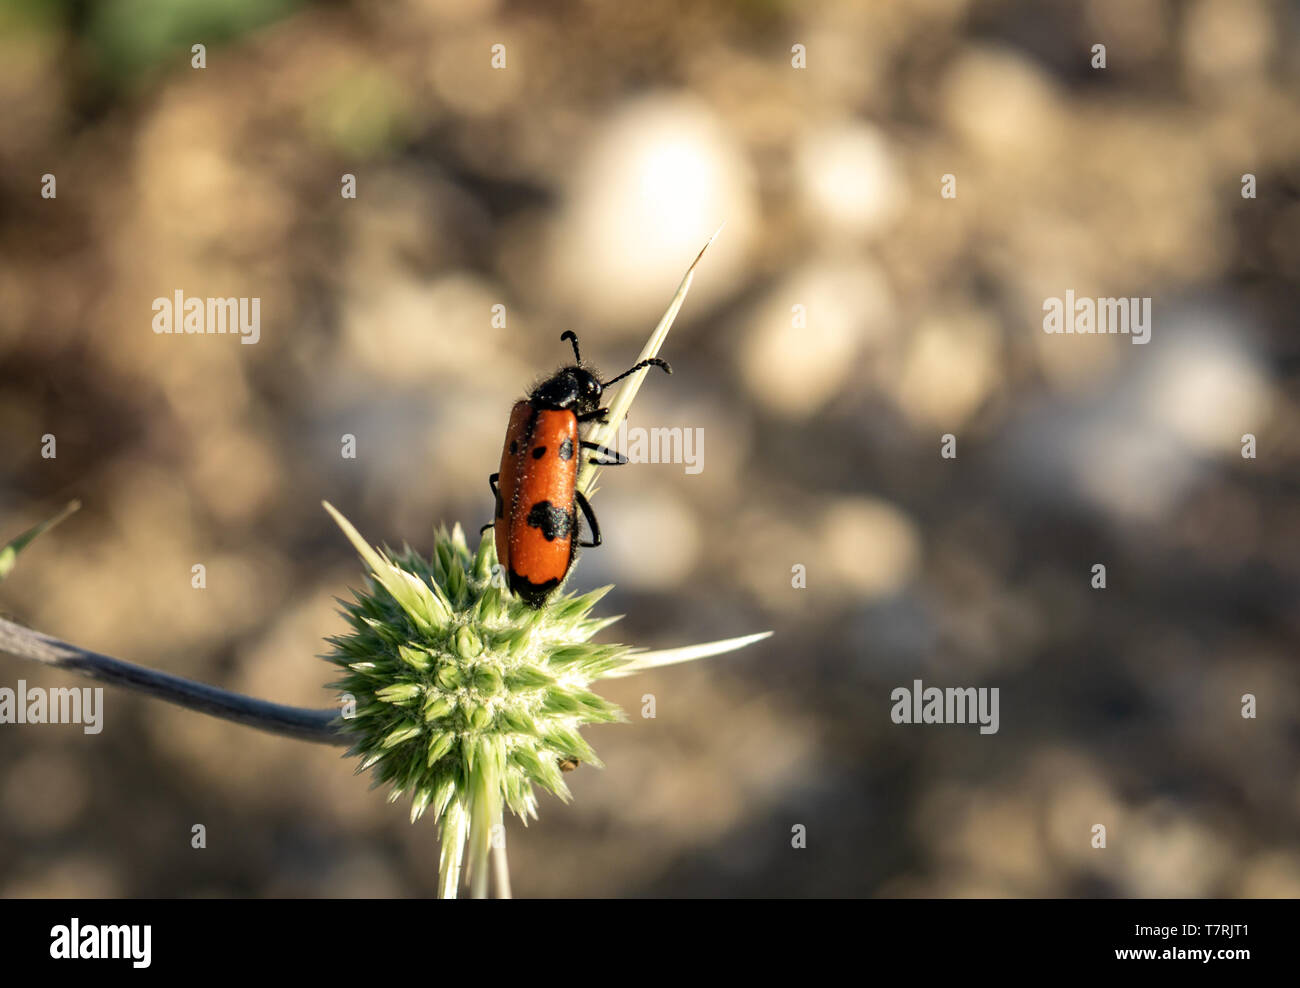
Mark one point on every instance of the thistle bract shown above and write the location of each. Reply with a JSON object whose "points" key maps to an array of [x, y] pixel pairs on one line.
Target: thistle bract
{"points": [[462, 696]]}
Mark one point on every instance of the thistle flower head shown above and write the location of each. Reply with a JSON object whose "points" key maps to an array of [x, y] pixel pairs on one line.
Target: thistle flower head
{"points": [[462, 696], [467, 699]]}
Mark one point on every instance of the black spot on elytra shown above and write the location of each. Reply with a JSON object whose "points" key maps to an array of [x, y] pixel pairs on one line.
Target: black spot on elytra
{"points": [[514, 446], [566, 449], [539, 452], [533, 594], [553, 523]]}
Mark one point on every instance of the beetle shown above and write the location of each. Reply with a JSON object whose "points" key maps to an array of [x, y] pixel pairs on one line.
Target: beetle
{"points": [[537, 500]]}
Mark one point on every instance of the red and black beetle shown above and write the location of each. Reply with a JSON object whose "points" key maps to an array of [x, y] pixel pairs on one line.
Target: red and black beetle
{"points": [[536, 493]]}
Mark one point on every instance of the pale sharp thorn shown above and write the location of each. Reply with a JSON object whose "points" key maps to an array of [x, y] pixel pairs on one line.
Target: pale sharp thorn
{"points": [[643, 661], [603, 434]]}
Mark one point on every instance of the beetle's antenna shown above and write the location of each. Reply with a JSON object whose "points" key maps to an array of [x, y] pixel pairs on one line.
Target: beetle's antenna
{"points": [[572, 337], [655, 361]]}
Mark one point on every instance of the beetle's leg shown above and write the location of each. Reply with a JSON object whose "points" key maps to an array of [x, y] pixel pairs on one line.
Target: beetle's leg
{"points": [[595, 415], [618, 458], [585, 505], [496, 493]]}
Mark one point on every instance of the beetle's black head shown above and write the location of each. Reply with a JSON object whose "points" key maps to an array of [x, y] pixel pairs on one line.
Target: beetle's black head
{"points": [[578, 389], [574, 388]]}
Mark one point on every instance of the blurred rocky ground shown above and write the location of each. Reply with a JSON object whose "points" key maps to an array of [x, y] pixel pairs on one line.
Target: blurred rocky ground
{"points": [[573, 186]]}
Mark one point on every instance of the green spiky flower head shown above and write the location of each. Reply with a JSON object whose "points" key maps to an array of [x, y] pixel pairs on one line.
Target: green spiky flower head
{"points": [[462, 696]]}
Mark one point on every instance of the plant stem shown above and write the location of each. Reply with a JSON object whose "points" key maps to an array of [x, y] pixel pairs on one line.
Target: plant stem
{"points": [[295, 722], [500, 865], [455, 828]]}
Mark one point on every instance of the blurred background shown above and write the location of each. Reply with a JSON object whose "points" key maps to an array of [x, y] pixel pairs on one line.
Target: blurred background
{"points": [[573, 186]]}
